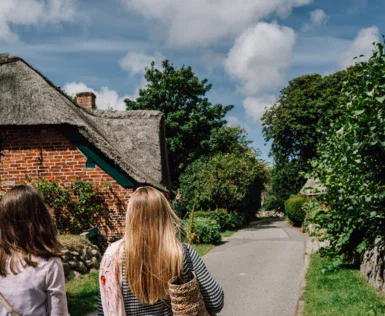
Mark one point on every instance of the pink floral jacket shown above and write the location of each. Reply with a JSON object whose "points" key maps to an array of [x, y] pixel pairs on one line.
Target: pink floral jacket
{"points": [[110, 280]]}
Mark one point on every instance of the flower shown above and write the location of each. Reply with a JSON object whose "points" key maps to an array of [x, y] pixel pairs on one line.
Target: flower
{"points": [[50, 179], [178, 196]]}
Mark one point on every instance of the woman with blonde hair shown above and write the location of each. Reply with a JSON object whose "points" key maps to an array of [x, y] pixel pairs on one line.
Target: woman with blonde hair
{"points": [[135, 270], [31, 272]]}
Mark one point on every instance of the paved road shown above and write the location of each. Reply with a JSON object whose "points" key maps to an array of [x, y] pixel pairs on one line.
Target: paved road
{"points": [[260, 269]]}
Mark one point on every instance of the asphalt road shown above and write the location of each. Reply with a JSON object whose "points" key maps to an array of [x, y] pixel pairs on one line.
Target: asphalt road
{"points": [[260, 269]]}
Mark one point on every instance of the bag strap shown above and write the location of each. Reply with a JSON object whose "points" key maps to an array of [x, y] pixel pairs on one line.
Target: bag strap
{"points": [[8, 306], [190, 268]]}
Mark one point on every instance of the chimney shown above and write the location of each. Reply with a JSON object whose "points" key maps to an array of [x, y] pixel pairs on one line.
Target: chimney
{"points": [[86, 100]]}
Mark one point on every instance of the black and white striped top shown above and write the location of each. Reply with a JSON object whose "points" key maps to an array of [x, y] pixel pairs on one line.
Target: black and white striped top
{"points": [[211, 291]]}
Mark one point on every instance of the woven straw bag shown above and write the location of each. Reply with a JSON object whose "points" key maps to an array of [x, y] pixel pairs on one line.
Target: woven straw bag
{"points": [[186, 298]]}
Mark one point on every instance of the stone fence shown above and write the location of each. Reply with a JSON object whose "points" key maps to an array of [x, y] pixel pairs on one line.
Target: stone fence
{"points": [[80, 258], [373, 265]]}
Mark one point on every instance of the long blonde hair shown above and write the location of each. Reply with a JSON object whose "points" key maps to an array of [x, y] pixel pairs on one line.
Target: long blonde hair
{"points": [[153, 250]]}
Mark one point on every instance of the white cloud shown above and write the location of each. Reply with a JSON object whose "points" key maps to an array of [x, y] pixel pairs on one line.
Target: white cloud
{"points": [[33, 12], [201, 22], [260, 56], [136, 62], [256, 106], [362, 44], [233, 121], [317, 18], [105, 98]]}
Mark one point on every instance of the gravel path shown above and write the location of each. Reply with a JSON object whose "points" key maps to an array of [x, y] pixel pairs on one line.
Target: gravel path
{"points": [[260, 269]]}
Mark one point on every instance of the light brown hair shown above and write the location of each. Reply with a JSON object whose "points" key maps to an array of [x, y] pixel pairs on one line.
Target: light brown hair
{"points": [[153, 250], [26, 230]]}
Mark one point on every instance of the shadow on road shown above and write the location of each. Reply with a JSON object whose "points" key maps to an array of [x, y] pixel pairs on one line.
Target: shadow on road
{"points": [[266, 223]]}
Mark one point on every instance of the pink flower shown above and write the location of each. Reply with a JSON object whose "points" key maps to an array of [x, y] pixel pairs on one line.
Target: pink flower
{"points": [[178, 196]]}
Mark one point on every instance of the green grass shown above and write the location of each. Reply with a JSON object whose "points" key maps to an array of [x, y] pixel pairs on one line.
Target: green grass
{"points": [[344, 292], [202, 249], [82, 294], [228, 233]]}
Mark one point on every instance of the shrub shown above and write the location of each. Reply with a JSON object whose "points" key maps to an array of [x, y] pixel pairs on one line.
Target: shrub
{"points": [[294, 209], [74, 207], [207, 230], [226, 220]]}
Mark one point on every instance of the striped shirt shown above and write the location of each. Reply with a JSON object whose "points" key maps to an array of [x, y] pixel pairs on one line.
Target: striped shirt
{"points": [[212, 292]]}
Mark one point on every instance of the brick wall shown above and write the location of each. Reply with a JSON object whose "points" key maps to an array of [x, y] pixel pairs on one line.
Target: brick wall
{"points": [[43, 152]]}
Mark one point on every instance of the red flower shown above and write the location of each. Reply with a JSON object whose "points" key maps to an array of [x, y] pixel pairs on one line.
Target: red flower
{"points": [[103, 280], [50, 179]]}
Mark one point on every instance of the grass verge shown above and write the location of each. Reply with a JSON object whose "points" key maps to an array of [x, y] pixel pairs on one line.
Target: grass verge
{"points": [[202, 249], [82, 294], [344, 292]]}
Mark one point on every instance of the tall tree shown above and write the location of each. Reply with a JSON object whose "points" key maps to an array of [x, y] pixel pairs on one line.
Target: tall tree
{"points": [[294, 125], [189, 116]]}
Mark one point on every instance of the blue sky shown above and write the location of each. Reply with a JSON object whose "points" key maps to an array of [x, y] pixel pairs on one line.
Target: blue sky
{"points": [[247, 49]]}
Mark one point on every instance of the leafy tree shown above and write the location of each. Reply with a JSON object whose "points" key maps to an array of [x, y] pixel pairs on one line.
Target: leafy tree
{"points": [[189, 116], [295, 124], [227, 139], [231, 181], [351, 164]]}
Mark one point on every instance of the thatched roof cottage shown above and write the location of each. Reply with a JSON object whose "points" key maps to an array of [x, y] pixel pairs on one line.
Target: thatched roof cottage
{"points": [[43, 133], [312, 188]]}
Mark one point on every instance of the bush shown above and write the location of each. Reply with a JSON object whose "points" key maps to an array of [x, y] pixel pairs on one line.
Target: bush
{"points": [[294, 209], [226, 220], [206, 229]]}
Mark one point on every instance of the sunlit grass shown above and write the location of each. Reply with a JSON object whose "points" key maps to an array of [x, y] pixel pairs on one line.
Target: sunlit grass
{"points": [[344, 292], [82, 294]]}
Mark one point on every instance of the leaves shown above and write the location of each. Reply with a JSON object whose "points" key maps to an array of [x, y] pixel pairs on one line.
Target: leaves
{"points": [[232, 181], [190, 118], [75, 206], [295, 125], [351, 164]]}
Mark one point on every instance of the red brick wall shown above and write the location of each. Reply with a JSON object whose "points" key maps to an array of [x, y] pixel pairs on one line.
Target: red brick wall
{"points": [[22, 149]]}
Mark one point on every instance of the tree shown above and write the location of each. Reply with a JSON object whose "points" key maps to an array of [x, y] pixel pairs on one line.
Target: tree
{"points": [[227, 139], [189, 116], [231, 181], [295, 124]]}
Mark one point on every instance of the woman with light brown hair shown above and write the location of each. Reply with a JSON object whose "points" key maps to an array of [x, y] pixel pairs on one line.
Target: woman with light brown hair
{"points": [[31, 272], [135, 270]]}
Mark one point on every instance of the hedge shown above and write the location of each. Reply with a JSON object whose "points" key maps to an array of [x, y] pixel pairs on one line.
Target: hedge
{"points": [[294, 209]]}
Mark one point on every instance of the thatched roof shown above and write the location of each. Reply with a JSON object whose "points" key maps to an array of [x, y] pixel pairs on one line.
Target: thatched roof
{"points": [[133, 140], [312, 188]]}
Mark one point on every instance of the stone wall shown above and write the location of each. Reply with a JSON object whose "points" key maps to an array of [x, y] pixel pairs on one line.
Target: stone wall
{"points": [[80, 259], [373, 266]]}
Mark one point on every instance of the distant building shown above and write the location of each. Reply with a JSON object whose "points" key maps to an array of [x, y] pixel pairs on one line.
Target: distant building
{"points": [[311, 188]]}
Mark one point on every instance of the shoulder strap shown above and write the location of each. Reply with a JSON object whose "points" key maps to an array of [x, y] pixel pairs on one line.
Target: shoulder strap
{"points": [[190, 268], [8, 306]]}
